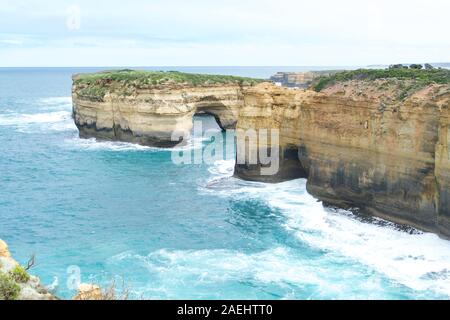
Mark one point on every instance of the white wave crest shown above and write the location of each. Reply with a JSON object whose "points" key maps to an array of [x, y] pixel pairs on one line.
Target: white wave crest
{"points": [[278, 269], [98, 145], [420, 261], [54, 102], [222, 168], [57, 116], [38, 118]]}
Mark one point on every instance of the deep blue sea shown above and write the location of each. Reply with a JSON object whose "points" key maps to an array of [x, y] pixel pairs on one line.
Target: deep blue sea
{"points": [[117, 211]]}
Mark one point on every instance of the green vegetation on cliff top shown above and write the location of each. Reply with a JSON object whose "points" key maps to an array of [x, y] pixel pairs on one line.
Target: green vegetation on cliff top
{"points": [[149, 78], [422, 77], [94, 86]]}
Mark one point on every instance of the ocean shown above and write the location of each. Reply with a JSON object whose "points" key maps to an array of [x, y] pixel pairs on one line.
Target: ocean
{"points": [[103, 212]]}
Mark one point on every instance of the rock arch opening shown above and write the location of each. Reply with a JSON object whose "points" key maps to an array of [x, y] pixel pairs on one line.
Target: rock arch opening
{"points": [[224, 116]]}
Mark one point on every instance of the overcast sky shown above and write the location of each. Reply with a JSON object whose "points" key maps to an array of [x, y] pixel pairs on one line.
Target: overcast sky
{"points": [[223, 33]]}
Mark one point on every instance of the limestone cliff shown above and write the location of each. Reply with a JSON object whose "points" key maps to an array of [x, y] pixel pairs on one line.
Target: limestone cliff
{"points": [[380, 144], [147, 107], [360, 145]]}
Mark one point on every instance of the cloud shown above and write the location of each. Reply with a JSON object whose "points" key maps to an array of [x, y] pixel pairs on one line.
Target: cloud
{"points": [[12, 42], [268, 32]]}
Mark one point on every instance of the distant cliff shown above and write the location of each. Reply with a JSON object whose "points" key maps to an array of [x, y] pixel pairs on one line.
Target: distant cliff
{"points": [[298, 79], [374, 139]]}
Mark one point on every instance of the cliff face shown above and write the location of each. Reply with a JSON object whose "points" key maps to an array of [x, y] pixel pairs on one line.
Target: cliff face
{"points": [[147, 107], [361, 146], [380, 145], [149, 116]]}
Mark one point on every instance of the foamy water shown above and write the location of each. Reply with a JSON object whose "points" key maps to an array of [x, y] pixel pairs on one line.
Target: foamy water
{"points": [[420, 261], [27, 119], [57, 116]]}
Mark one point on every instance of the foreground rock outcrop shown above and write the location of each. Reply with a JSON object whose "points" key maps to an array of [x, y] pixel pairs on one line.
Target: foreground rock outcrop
{"points": [[379, 144], [16, 283], [88, 291]]}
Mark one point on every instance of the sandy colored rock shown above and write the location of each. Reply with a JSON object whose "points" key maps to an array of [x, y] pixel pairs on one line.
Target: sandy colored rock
{"points": [[88, 292], [4, 251], [151, 115], [360, 146], [33, 290]]}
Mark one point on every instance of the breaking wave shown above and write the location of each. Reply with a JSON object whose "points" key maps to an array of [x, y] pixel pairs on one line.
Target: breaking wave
{"points": [[417, 260]]}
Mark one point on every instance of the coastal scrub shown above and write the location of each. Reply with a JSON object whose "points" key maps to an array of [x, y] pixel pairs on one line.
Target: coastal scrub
{"points": [[9, 289], [95, 85], [419, 77]]}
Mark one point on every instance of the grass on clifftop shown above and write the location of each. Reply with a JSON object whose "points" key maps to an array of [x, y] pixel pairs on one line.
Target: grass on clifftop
{"points": [[422, 77], [149, 78], [125, 82]]}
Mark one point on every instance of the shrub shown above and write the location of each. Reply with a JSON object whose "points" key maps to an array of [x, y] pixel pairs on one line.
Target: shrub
{"points": [[416, 66], [9, 289], [19, 274], [398, 66], [144, 78], [94, 86], [422, 77]]}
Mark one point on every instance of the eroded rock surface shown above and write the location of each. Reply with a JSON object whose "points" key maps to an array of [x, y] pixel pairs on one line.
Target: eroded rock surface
{"points": [[149, 113], [359, 145], [380, 145]]}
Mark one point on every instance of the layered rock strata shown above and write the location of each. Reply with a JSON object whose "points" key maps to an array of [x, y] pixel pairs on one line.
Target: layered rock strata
{"points": [[360, 146], [367, 144], [150, 115]]}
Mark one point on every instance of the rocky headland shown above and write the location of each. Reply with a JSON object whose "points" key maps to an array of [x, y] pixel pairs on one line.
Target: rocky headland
{"points": [[148, 107], [373, 139]]}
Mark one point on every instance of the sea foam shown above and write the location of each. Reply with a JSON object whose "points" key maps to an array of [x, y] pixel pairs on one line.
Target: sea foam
{"points": [[57, 116], [276, 272], [420, 261]]}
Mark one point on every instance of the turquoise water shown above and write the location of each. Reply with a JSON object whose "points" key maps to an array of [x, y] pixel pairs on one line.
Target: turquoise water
{"points": [[125, 212]]}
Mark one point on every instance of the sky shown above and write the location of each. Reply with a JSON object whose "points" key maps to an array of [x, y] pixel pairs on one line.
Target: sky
{"points": [[223, 33]]}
